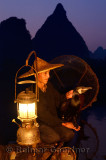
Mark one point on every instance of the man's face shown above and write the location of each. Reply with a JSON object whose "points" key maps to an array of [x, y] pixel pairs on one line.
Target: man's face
{"points": [[43, 77]]}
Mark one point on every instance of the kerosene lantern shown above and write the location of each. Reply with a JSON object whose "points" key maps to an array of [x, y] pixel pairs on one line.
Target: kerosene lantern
{"points": [[28, 132]]}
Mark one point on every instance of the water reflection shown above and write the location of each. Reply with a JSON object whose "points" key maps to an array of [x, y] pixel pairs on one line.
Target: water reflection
{"points": [[97, 118]]}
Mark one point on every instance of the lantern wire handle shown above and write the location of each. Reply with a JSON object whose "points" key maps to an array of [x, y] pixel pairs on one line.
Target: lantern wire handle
{"points": [[35, 69]]}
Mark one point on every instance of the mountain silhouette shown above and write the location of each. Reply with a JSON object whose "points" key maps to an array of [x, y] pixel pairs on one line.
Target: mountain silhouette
{"points": [[15, 40], [99, 53], [58, 36], [15, 45]]}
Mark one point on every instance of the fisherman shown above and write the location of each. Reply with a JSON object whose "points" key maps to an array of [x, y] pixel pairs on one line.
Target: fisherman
{"points": [[52, 128]]}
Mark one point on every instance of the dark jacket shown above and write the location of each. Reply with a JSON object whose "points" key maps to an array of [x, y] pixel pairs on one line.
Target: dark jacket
{"points": [[47, 106]]}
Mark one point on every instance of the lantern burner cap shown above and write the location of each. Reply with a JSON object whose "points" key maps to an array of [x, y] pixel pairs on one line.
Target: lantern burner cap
{"points": [[26, 97]]}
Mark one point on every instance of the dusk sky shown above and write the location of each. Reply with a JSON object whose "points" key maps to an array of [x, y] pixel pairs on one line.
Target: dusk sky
{"points": [[87, 16]]}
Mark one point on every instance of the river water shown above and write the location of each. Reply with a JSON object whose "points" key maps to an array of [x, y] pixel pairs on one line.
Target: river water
{"points": [[96, 117]]}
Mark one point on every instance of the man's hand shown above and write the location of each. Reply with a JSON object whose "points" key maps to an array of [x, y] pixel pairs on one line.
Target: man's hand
{"points": [[69, 94], [71, 126]]}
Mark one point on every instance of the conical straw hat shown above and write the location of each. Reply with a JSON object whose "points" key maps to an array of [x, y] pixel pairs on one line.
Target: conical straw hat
{"points": [[42, 66]]}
